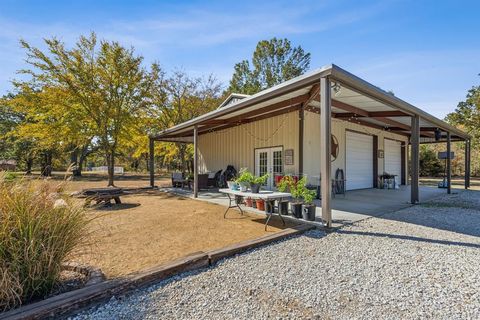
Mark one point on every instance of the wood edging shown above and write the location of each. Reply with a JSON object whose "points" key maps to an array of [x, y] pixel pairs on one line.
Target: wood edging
{"points": [[89, 296]]}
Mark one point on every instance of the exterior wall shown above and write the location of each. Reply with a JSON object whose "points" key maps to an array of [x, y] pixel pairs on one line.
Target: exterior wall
{"points": [[311, 144], [236, 145]]}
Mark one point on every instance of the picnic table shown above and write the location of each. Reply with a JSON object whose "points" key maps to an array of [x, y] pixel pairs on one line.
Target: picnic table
{"points": [[105, 195], [268, 196]]}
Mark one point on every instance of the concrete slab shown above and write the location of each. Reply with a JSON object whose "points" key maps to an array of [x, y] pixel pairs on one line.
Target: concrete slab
{"points": [[355, 206]]}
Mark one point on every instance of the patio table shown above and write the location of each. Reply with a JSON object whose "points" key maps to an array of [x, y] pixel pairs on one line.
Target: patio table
{"points": [[268, 196]]}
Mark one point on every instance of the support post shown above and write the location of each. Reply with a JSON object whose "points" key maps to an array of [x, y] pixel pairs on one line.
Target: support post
{"points": [[415, 159], [449, 163], [467, 163], [151, 162], [301, 130], [325, 150], [195, 161]]}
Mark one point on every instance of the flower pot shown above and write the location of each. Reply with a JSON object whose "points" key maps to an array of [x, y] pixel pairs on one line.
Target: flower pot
{"points": [[309, 212], [283, 208], [243, 186], [260, 204], [249, 202], [232, 185], [254, 204], [255, 187], [297, 209]]}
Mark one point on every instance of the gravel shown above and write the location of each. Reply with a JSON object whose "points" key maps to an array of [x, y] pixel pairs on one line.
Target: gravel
{"points": [[419, 262]]}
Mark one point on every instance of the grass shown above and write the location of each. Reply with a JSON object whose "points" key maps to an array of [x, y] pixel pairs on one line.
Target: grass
{"points": [[39, 229]]}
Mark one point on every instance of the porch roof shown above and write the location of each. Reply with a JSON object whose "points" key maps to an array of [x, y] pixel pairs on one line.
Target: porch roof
{"points": [[353, 100]]}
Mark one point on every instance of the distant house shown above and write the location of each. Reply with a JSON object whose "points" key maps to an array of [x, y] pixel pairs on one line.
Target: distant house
{"points": [[9, 165]]}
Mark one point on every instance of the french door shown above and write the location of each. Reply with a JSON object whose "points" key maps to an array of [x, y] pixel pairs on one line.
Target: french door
{"points": [[269, 160]]}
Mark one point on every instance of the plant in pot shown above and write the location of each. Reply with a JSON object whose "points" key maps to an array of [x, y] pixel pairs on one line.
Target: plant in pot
{"points": [[244, 179], [257, 182], [308, 205], [295, 187]]}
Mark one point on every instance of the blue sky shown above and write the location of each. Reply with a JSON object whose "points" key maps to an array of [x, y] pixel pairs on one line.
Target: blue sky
{"points": [[426, 52]]}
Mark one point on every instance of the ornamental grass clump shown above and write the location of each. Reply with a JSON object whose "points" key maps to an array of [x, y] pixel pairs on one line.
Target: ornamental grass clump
{"points": [[39, 229]]}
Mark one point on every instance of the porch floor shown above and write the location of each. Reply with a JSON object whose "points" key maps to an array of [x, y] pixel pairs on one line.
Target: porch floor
{"points": [[355, 206]]}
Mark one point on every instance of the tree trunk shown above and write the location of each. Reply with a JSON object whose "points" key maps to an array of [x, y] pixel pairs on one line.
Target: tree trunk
{"points": [[46, 169], [29, 164], [74, 163], [111, 168]]}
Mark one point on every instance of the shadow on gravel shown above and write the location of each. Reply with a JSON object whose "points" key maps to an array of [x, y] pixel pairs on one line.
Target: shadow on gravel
{"points": [[411, 238], [459, 213]]}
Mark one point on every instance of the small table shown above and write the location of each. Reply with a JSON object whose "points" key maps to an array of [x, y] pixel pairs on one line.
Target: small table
{"points": [[268, 196]]}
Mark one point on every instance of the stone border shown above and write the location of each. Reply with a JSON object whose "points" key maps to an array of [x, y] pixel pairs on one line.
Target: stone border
{"points": [[66, 303]]}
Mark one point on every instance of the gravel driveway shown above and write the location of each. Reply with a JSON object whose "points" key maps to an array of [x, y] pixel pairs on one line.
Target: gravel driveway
{"points": [[420, 262]]}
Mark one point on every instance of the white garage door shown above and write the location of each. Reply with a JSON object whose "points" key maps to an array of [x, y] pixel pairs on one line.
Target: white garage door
{"points": [[393, 158], [359, 171]]}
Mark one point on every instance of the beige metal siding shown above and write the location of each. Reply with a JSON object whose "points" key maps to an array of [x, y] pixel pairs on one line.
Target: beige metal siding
{"points": [[312, 143], [236, 145]]}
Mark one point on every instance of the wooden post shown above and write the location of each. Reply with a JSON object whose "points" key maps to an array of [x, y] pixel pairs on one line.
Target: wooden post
{"points": [[415, 159], [449, 163], [325, 149], [195, 161], [467, 163], [301, 129], [151, 163]]}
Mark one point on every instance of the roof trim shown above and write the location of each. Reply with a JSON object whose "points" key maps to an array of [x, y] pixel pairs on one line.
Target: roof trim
{"points": [[336, 73]]}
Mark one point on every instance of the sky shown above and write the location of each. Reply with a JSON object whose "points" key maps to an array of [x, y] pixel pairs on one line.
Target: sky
{"points": [[426, 52]]}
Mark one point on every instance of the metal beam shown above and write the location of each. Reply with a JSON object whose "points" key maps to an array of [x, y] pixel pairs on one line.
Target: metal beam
{"points": [[325, 150], [449, 163], [151, 163], [301, 129], [195, 161], [415, 159], [349, 108], [467, 163]]}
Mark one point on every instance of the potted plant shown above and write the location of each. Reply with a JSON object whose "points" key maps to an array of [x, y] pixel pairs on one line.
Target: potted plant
{"points": [[260, 204], [295, 187], [244, 179], [308, 206], [257, 182], [249, 202]]}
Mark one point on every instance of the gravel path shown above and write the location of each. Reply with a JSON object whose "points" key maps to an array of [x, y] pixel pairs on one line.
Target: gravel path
{"points": [[420, 262]]}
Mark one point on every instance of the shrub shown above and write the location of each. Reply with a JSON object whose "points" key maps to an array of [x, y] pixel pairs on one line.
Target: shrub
{"points": [[39, 229]]}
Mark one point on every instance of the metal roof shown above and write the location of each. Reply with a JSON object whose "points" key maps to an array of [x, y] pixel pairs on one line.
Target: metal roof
{"points": [[366, 103]]}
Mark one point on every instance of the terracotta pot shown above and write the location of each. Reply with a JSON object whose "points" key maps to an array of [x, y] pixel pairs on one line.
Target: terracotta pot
{"points": [[249, 202], [260, 204]]}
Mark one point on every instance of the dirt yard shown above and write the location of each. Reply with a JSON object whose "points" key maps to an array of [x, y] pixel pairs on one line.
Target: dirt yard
{"points": [[154, 227]]}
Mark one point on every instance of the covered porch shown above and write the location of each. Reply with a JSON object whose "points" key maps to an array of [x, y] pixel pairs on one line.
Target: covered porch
{"points": [[328, 95]]}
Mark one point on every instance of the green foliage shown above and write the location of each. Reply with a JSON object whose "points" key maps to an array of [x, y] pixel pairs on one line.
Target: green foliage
{"points": [[308, 195], [39, 229], [274, 61], [104, 84], [430, 165], [245, 176], [261, 180], [297, 188]]}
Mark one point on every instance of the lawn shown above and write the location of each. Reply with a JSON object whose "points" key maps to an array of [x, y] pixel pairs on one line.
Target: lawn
{"points": [[153, 227]]}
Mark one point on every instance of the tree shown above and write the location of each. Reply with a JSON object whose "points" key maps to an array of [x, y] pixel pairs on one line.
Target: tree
{"points": [[180, 98], [106, 83], [274, 61], [467, 117], [430, 165]]}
